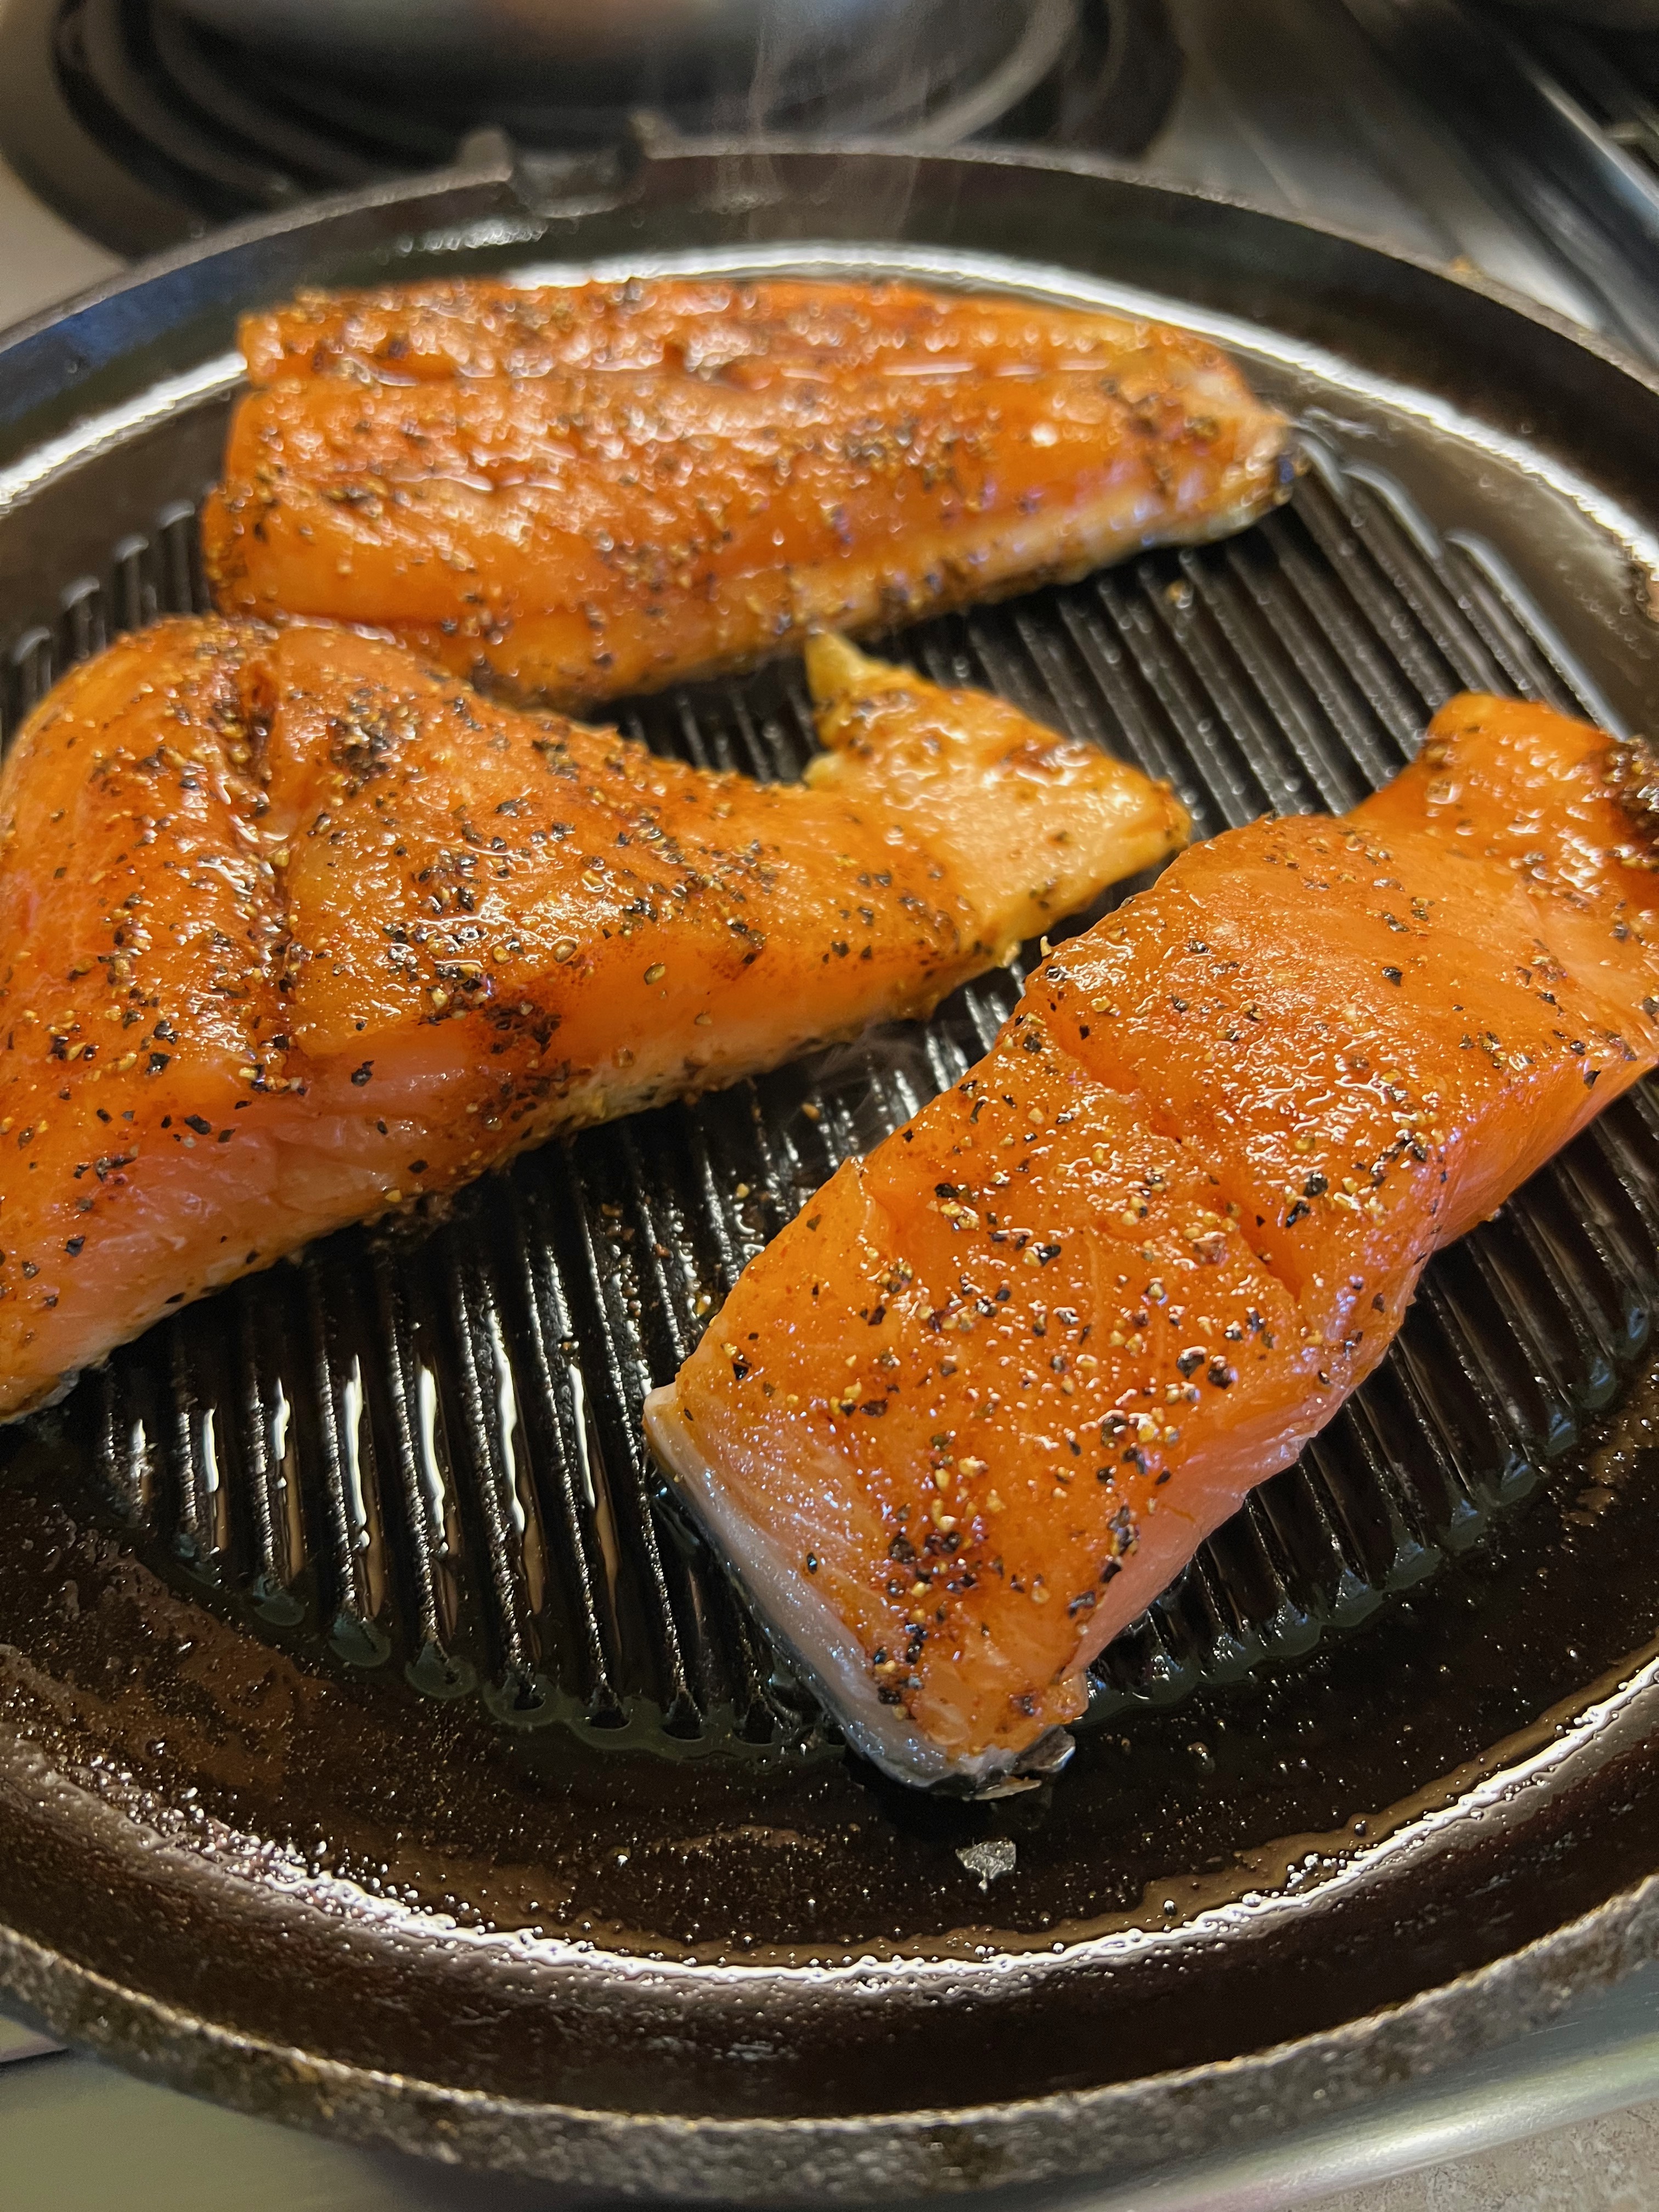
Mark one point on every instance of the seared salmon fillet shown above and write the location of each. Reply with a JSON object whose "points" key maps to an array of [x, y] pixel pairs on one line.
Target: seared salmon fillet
{"points": [[982, 1400], [294, 930], [573, 493]]}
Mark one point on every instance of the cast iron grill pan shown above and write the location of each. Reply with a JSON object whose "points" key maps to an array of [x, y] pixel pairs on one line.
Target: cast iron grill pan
{"points": [[378, 1744], [422, 1452]]}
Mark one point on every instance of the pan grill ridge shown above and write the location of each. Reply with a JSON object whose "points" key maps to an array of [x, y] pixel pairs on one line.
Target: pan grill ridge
{"points": [[422, 1450]]}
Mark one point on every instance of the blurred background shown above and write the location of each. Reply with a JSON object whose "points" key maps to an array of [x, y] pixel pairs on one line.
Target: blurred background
{"points": [[1517, 140]]}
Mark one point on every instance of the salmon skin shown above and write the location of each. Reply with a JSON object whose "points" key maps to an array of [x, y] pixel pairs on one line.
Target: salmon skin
{"points": [[294, 930], [982, 1400], [570, 493]]}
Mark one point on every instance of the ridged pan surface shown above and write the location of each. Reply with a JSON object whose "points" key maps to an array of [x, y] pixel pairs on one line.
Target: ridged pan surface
{"points": [[346, 1624]]}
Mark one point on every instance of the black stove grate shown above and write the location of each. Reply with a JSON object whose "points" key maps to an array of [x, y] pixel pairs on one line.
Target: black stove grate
{"points": [[144, 125], [419, 1454]]}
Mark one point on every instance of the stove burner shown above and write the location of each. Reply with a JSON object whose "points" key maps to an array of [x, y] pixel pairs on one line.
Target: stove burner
{"points": [[143, 127]]}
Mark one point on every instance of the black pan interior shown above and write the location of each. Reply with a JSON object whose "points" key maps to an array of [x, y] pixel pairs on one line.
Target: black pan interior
{"points": [[355, 1581]]}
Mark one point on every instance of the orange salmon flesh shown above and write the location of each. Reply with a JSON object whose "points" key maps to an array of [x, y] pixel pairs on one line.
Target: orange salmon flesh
{"points": [[982, 1400], [294, 930], [572, 492]]}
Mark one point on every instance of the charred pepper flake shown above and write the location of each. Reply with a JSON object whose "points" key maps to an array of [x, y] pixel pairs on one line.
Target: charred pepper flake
{"points": [[203, 1127], [360, 1075], [1392, 975]]}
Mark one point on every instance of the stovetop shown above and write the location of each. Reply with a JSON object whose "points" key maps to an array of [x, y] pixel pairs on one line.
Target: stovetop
{"points": [[1306, 107], [1347, 112], [142, 126]]}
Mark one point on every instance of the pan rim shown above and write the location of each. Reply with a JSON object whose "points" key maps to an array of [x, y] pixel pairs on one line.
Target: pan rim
{"points": [[865, 2157], [498, 162]]}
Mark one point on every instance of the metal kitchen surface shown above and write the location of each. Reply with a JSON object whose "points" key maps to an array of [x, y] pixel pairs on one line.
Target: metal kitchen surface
{"points": [[1287, 104]]}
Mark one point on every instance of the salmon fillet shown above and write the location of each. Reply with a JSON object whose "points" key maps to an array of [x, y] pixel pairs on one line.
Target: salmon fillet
{"points": [[987, 1393], [294, 930], [572, 493]]}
